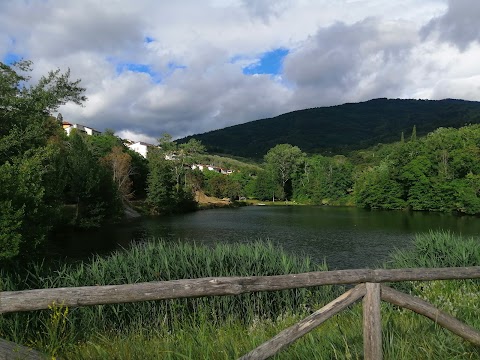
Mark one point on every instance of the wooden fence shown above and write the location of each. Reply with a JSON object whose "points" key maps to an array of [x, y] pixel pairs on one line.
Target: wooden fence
{"points": [[369, 288]]}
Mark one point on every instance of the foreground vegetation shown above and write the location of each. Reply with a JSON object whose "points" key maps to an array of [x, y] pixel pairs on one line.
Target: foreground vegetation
{"points": [[150, 261], [227, 327]]}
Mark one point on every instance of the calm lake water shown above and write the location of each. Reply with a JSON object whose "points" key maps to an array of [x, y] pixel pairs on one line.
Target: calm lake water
{"points": [[344, 237]]}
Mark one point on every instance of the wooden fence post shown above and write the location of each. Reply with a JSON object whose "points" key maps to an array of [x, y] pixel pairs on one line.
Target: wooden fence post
{"points": [[372, 323], [289, 335]]}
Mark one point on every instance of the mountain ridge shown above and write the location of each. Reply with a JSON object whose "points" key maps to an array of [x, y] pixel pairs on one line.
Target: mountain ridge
{"points": [[340, 128]]}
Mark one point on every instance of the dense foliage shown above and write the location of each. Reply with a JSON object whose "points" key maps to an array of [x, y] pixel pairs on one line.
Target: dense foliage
{"points": [[171, 183], [340, 129], [47, 179], [439, 172], [31, 155]]}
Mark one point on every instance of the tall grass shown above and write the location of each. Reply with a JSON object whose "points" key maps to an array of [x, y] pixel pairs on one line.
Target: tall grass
{"points": [[160, 260], [444, 249], [227, 327], [438, 249]]}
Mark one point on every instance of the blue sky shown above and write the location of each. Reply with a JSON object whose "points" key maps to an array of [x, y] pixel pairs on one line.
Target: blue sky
{"points": [[10, 58], [155, 76], [270, 63]]}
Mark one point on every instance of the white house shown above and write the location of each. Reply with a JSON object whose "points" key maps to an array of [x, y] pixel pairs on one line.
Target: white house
{"points": [[201, 167], [198, 166], [171, 156], [140, 147], [68, 127]]}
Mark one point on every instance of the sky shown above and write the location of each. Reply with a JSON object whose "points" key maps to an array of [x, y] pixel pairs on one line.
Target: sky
{"points": [[185, 67]]}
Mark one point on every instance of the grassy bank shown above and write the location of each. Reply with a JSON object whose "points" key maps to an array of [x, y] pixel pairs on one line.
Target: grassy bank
{"points": [[227, 327]]}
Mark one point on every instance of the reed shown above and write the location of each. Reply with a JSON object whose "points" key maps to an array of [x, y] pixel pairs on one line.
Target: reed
{"points": [[156, 260], [438, 249]]}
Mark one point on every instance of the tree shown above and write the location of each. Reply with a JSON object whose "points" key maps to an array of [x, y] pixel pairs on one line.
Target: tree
{"points": [[180, 155], [282, 161], [266, 188], [376, 189], [325, 179], [139, 174], [101, 145], [26, 215], [31, 154], [414, 133], [120, 164], [91, 186], [160, 183]]}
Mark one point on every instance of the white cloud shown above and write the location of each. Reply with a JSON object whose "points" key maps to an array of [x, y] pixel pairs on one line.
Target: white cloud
{"points": [[339, 51], [344, 63], [130, 135]]}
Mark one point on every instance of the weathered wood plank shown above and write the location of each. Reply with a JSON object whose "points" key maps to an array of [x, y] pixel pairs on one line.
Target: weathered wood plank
{"points": [[289, 335], [424, 308], [372, 323], [13, 301], [12, 351]]}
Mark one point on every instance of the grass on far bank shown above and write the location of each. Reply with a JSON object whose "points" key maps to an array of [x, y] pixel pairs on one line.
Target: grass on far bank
{"points": [[346, 201], [236, 328], [271, 203]]}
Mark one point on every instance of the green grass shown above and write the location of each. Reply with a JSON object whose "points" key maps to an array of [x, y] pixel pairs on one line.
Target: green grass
{"points": [[228, 327], [405, 336]]}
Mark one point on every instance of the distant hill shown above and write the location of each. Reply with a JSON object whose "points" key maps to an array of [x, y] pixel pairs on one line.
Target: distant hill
{"points": [[341, 128]]}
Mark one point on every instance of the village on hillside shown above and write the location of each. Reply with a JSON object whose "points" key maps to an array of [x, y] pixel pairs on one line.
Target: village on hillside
{"points": [[142, 148]]}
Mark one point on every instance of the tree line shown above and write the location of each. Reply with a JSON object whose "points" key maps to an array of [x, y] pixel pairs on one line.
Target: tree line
{"points": [[438, 172]]}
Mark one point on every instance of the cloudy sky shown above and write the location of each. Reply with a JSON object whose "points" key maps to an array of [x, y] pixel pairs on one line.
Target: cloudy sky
{"points": [[189, 66]]}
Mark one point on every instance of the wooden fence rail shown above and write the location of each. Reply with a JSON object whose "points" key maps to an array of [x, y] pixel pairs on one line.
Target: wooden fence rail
{"points": [[369, 289], [28, 300]]}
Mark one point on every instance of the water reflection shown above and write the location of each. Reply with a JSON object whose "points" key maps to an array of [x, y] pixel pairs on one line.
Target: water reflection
{"points": [[344, 237]]}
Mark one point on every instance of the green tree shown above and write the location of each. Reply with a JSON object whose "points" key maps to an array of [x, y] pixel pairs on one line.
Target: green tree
{"points": [[180, 156], [222, 186], [282, 162], [139, 174], [91, 187], [376, 189], [101, 145], [266, 188], [325, 179], [414, 133], [161, 183], [28, 206], [31, 154]]}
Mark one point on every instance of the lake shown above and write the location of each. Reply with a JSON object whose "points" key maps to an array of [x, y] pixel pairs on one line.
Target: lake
{"points": [[344, 237]]}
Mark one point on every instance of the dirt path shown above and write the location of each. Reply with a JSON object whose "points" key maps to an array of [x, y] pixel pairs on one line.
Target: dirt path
{"points": [[205, 200]]}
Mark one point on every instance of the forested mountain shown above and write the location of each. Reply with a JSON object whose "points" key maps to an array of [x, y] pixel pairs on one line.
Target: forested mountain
{"points": [[341, 128]]}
